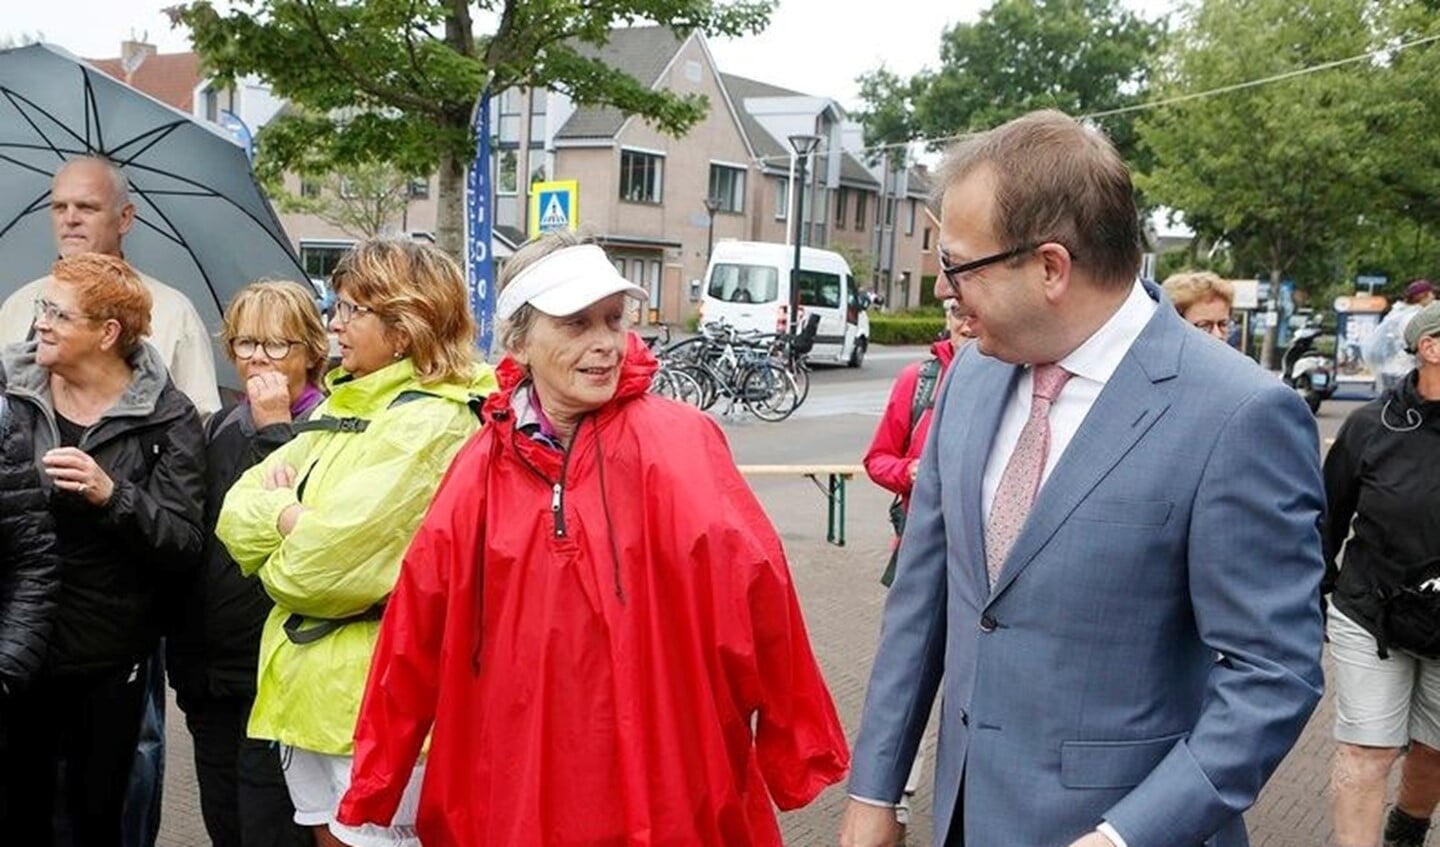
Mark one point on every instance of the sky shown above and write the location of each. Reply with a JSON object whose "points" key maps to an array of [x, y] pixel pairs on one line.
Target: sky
{"points": [[810, 45]]}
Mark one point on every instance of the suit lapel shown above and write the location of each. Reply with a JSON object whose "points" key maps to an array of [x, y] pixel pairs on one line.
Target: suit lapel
{"points": [[985, 393], [1131, 402]]}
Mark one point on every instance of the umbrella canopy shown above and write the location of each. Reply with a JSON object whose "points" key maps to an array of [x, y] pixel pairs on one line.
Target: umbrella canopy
{"points": [[202, 224]]}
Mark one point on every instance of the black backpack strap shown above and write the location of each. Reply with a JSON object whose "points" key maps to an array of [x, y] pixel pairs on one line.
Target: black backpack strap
{"points": [[299, 634], [925, 388]]}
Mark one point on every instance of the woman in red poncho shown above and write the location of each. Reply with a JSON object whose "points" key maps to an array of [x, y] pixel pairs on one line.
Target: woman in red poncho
{"points": [[595, 623]]}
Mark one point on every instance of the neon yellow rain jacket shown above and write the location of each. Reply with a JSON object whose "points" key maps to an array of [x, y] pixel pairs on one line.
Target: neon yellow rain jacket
{"points": [[365, 493]]}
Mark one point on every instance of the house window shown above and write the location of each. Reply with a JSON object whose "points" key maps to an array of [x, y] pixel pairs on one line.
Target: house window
{"points": [[419, 188], [309, 188], [505, 172], [640, 176], [842, 202], [860, 199], [319, 259], [348, 190], [925, 239], [537, 117], [727, 184], [910, 218], [508, 127], [782, 199], [890, 212]]}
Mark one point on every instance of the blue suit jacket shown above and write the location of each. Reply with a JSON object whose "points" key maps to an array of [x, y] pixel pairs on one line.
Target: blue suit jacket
{"points": [[1152, 647]]}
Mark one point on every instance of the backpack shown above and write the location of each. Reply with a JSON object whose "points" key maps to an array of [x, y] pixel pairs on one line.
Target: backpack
{"points": [[924, 398]]}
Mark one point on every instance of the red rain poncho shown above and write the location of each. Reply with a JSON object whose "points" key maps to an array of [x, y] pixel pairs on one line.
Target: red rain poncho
{"points": [[591, 640]]}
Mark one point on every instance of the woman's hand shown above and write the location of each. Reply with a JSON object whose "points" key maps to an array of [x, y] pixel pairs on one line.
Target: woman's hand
{"points": [[72, 470], [269, 395], [280, 476], [283, 476]]}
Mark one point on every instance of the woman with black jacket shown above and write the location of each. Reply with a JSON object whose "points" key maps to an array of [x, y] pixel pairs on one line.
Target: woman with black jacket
{"points": [[277, 343], [1382, 481], [28, 579], [121, 453]]}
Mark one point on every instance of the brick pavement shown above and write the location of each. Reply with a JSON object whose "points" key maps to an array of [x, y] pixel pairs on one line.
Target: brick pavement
{"points": [[842, 601]]}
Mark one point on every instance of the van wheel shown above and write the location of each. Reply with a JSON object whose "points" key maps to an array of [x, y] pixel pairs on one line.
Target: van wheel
{"points": [[857, 353]]}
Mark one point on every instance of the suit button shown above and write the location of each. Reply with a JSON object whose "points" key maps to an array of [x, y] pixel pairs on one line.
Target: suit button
{"points": [[988, 623], [964, 718]]}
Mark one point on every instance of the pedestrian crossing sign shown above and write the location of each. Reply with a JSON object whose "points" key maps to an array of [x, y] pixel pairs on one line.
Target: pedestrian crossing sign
{"points": [[554, 206]]}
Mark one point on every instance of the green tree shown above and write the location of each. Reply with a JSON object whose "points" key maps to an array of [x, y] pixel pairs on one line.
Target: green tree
{"points": [[362, 200], [395, 81], [1282, 172], [1079, 56]]}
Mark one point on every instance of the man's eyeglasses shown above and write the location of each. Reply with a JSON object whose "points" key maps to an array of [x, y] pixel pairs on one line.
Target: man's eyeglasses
{"points": [[953, 273], [54, 314], [244, 348], [345, 311]]}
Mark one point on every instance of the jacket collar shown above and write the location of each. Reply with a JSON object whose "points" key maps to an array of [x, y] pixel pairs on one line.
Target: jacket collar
{"points": [[636, 371], [25, 376]]}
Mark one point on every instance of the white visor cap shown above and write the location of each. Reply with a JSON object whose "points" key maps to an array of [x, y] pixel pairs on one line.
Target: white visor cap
{"points": [[565, 282]]}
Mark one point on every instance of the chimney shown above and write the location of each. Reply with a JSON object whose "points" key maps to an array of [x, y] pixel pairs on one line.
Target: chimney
{"points": [[133, 53]]}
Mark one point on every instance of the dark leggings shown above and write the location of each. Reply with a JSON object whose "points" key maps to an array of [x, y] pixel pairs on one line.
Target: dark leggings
{"points": [[84, 728], [242, 788]]}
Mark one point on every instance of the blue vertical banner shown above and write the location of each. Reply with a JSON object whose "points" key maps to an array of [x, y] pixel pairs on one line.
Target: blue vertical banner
{"points": [[479, 263]]}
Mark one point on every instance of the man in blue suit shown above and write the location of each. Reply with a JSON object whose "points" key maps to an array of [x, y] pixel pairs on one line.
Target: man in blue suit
{"points": [[1112, 557]]}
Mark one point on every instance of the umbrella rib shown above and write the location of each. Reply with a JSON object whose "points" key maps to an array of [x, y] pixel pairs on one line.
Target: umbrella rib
{"points": [[92, 108], [35, 206], [183, 245], [159, 133], [13, 96]]}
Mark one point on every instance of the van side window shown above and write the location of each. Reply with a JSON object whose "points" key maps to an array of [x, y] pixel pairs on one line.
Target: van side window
{"points": [[738, 283], [821, 289]]}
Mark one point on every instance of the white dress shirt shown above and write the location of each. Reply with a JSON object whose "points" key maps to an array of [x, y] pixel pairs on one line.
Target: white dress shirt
{"points": [[1091, 365]]}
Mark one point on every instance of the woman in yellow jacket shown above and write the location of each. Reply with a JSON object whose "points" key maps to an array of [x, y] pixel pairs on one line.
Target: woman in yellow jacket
{"points": [[325, 520]]}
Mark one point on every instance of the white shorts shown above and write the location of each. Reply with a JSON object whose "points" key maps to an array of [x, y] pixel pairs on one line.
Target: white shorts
{"points": [[1381, 702], [317, 781]]}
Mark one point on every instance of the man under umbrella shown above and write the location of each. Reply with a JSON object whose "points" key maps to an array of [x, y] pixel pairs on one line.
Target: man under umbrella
{"points": [[90, 211]]}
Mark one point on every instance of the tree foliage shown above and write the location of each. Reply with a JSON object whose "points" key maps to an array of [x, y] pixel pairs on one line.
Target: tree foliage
{"points": [[363, 201], [1294, 174], [395, 81], [1079, 56]]}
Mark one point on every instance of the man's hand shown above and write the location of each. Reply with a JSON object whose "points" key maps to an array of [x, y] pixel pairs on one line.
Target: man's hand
{"points": [[1093, 839], [285, 524], [865, 825], [269, 394]]}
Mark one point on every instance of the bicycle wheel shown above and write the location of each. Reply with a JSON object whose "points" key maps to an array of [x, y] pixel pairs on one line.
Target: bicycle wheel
{"points": [[686, 388], [769, 392]]}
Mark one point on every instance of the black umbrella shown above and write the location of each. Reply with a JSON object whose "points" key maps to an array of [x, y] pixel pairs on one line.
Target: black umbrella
{"points": [[202, 223]]}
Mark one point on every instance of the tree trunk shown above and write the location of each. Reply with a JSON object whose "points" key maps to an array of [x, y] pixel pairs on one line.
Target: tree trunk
{"points": [[450, 207]]}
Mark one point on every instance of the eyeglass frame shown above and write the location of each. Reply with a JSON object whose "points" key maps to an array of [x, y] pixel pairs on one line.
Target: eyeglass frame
{"points": [[1223, 325], [951, 272], [258, 345], [346, 310], [54, 314]]}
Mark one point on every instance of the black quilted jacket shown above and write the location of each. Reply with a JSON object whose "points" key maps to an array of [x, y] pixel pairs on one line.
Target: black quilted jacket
{"points": [[29, 578]]}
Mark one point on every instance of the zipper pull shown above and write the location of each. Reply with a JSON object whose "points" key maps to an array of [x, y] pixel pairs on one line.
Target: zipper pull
{"points": [[557, 509]]}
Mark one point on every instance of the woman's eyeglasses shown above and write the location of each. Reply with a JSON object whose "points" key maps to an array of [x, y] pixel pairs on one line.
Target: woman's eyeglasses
{"points": [[345, 311], [245, 348], [54, 314], [1221, 326]]}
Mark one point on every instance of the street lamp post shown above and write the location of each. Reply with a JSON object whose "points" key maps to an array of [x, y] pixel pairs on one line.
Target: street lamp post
{"points": [[712, 205], [803, 145]]}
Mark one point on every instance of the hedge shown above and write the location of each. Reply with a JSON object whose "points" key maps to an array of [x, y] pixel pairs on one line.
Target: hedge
{"points": [[905, 329]]}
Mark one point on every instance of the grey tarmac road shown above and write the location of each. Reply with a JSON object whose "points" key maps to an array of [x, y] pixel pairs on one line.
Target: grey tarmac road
{"points": [[843, 600]]}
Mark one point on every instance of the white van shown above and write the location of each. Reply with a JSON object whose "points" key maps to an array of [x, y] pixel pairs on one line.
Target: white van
{"points": [[747, 285]]}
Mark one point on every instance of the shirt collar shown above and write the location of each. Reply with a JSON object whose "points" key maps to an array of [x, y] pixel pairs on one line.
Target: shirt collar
{"points": [[1097, 359]]}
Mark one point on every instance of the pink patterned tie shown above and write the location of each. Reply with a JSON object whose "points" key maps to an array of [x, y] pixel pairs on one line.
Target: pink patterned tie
{"points": [[1021, 479]]}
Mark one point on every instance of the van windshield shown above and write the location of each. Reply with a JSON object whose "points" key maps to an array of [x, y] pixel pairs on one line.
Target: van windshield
{"points": [[819, 289], [737, 283]]}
